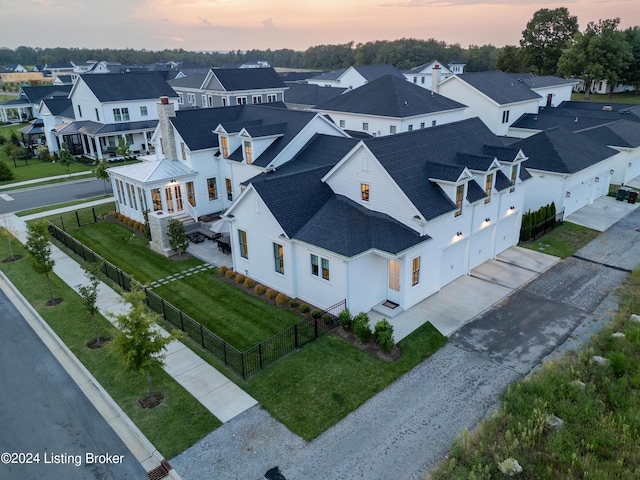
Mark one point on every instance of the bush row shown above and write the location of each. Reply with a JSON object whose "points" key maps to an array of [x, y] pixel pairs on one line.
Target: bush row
{"points": [[129, 222], [359, 324]]}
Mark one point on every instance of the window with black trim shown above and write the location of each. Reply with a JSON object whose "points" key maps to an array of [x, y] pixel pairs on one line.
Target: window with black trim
{"points": [[278, 257], [242, 241], [459, 198], [415, 271], [364, 191]]}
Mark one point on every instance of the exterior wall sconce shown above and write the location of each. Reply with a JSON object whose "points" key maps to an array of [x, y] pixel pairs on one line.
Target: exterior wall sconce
{"points": [[568, 194], [512, 207], [597, 179], [458, 234], [487, 219], [611, 172]]}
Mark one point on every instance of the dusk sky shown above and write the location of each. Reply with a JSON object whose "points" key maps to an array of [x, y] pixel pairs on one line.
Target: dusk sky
{"points": [[296, 24]]}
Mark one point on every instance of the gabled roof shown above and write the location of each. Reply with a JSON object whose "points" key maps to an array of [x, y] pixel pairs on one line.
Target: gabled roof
{"points": [[115, 87], [373, 72], [502, 182], [390, 96], [235, 79], [269, 130], [475, 192], [35, 94], [446, 172], [60, 107], [424, 66], [544, 81], [156, 171], [332, 75], [193, 80], [621, 133], [311, 94], [95, 128], [475, 161], [196, 126], [498, 86], [346, 228], [562, 151]]}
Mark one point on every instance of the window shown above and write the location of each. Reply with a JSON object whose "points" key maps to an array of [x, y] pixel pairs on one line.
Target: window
{"points": [[191, 195], [210, 101], [256, 99], [121, 114], [168, 192], [342, 123], [180, 98], [392, 129], [415, 271], [183, 150], [191, 98], [421, 79], [272, 98], [204, 100], [364, 191], [325, 268], [225, 147], [314, 265], [227, 182], [433, 123], [242, 240], [278, 257], [97, 115], [211, 188], [415, 79], [143, 111], [156, 200], [142, 195], [241, 100], [421, 124], [224, 101], [129, 138], [514, 177], [248, 155], [411, 127], [459, 197], [365, 126], [79, 111], [505, 116], [120, 198], [131, 191], [488, 185]]}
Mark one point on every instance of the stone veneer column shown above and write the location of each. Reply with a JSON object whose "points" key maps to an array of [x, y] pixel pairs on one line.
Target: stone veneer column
{"points": [[159, 226]]}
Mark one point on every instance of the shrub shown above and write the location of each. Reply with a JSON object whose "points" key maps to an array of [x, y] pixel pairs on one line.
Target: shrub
{"points": [[249, 282], [327, 319], [304, 308], [271, 293], [382, 326], [259, 289], [137, 226], [315, 313], [5, 171], [361, 327], [619, 363], [240, 278], [294, 303], [223, 269], [345, 319], [385, 340], [230, 274], [281, 299]]}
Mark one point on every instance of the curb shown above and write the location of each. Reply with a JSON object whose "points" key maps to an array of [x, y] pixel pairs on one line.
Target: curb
{"points": [[143, 450]]}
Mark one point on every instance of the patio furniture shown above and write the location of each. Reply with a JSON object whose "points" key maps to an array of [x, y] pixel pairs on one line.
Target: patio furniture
{"points": [[196, 237], [224, 246]]}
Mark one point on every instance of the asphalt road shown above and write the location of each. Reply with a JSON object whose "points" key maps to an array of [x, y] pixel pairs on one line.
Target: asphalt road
{"points": [[32, 197], [407, 429], [42, 411]]}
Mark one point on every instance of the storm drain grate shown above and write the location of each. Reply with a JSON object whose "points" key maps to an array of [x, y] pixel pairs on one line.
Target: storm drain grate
{"points": [[158, 473]]}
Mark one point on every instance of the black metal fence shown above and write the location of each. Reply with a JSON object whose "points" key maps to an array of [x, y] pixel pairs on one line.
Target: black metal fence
{"points": [[77, 218], [529, 234], [243, 363]]}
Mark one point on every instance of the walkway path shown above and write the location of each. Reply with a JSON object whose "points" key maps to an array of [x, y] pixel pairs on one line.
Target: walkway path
{"points": [[180, 275], [216, 392]]}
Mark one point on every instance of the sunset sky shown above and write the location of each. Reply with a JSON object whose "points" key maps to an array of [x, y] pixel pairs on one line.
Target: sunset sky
{"points": [[248, 24]]}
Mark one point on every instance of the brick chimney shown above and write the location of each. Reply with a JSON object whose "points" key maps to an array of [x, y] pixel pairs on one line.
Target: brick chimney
{"points": [[436, 73], [167, 110]]}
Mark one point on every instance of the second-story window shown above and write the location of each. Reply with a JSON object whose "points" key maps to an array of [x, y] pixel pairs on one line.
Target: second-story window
{"points": [[488, 185], [225, 147], [459, 198], [505, 116], [79, 111], [392, 129], [242, 241], [364, 191], [514, 177], [121, 114], [183, 150], [248, 153], [143, 111], [278, 257], [272, 98]]}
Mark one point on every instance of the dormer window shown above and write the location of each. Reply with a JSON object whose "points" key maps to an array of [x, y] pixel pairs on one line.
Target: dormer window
{"points": [[487, 187], [224, 143], [248, 153], [514, 177], [459, 198], [364, 190]]}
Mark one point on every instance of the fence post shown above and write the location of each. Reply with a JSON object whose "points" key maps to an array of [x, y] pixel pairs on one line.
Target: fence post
{"points": [[260, 354], [315, 327], [224, 350], [181, 321], [95, 219], [295, 335], [201, 335], [77, 218], [164, 314]]}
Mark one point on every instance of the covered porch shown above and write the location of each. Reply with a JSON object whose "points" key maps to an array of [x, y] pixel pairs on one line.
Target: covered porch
{"points": [[16, 111]]}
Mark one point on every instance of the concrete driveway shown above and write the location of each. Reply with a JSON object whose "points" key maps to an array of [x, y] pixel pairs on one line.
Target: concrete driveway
{"points": [[602, 213]]}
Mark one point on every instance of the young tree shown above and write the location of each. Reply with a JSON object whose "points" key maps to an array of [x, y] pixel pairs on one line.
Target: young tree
{"points": [[547, 34], [39, 249], [138, 341], [66, 158], [177, 237], [123, 149], [102, 173], [89, 294], [9, 231], [5, 170]]}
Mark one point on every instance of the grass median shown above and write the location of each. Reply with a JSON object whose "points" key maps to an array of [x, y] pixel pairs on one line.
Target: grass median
{"points": [[563, 241], [175, 425]]}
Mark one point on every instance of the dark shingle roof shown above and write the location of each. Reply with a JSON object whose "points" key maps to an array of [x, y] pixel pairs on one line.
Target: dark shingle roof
{"points": [[622, 133], [346, 228], [60, 106], [390, 96], [563, 151], [257, 131], [190, 81], [196, 126], [475, 192], [502, 182], [535, 81], [373, 72], [113, 87], [311, 94], [35, 94], [499, 87], [234, 79]]}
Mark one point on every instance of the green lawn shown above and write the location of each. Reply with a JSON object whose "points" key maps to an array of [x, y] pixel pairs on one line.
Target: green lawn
{"points": [[315, 387], [626, 97], [47, 208], [600, 434], [38, 169], [173, 426], [563, 241]]}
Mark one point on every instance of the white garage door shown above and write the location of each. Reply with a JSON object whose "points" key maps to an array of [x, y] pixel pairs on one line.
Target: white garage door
{"points": [[579, 197], [480, 250], [507, 235], [453, 261]]}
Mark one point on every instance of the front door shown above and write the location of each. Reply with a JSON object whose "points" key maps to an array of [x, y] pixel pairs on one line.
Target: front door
{"points": [[393, 292], [173, 195]]}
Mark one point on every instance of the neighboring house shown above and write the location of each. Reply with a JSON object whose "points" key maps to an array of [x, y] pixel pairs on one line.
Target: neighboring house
{"points": [[390, 105], [304, 96], [53, 112], [64, 80], [423, 75], [56, 69], [568, 168], [552, 90], [226, 87], [110, 107], [28, 101], [16, 68], [601, 87], [494, 97], [387, 219], [354, 77], [204, 156]]}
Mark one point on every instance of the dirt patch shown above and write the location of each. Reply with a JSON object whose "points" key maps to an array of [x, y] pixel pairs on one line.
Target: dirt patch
{"points": [[147, 402], [98, 343], [181, 257], [54, 302], [372, 347], [12, 258]]}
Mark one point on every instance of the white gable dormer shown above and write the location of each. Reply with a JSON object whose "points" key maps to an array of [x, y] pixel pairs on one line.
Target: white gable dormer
{"points": [[255, 143], [228, 141], [456, 190]]}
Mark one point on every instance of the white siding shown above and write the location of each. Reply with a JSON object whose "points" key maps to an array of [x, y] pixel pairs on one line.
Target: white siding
{"points": [[315, 289], [626, 166]]}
